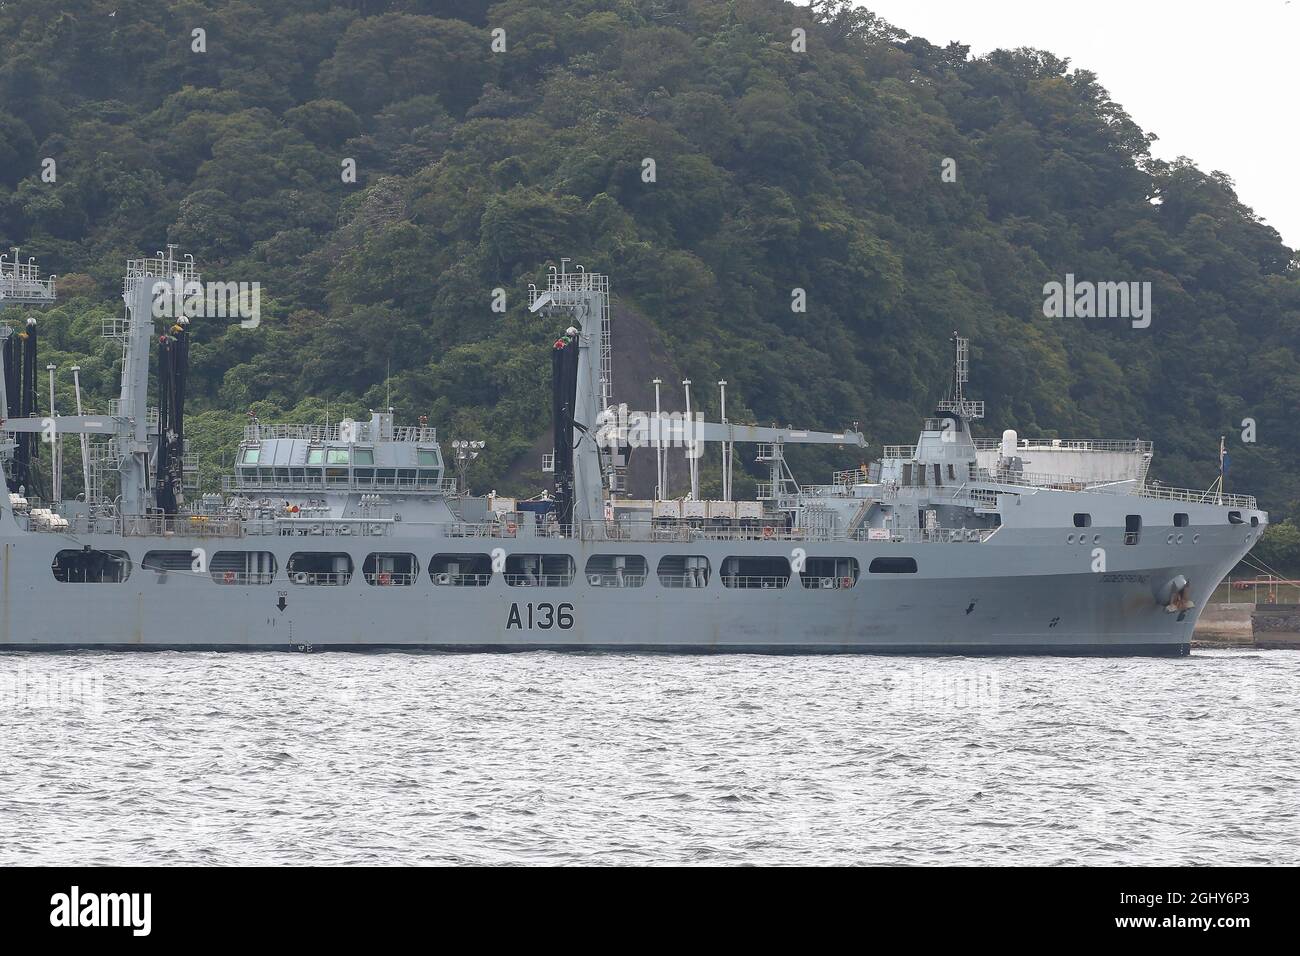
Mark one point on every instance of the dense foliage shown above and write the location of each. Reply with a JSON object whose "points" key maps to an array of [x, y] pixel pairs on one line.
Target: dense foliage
{"points": [[775, 170]]}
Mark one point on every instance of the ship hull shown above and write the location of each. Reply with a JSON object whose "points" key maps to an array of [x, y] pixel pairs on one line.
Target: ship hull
{"points": [[1014, 594]]}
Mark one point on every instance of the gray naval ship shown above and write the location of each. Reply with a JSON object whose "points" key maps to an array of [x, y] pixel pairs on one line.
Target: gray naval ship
{"points": [[354, 535]]}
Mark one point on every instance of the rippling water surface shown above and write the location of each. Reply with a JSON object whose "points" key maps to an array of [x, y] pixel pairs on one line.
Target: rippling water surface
{"points": [[583, 758]]}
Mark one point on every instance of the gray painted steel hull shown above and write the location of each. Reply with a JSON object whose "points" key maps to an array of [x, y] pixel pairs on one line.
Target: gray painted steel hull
{"points": [[1019, 592]]}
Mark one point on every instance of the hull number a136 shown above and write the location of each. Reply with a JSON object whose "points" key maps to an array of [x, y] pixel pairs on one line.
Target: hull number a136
{"points": [[541, 617]]}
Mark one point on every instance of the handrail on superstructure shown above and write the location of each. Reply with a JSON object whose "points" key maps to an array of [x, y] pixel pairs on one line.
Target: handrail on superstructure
{"points": [[256, 432]]}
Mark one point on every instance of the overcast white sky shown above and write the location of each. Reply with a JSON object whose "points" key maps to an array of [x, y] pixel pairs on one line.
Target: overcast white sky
{"points": [[1214, 81]]}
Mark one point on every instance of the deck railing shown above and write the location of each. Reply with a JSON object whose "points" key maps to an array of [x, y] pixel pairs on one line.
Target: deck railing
{"points": [[390, 578], [1072, 444], [853, 476], [235, 484], [683, 581], [1163, 493], [538, 580], [443, 579], [321, 578], [256, 431], [758, 582], [613, 580], [191, 526], [243, 577]]}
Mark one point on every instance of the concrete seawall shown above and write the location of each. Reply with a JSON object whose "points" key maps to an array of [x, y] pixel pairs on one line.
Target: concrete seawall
{"points": [[1249, 625]]}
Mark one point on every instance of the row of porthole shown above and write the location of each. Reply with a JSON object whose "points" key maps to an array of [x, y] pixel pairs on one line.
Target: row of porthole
{"points": [[1172, 539]]}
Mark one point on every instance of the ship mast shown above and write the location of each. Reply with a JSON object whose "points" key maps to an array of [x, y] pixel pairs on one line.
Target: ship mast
{"points": [[20, 284], [958, 403], [146, 280], [584, 297], [128, 421]]}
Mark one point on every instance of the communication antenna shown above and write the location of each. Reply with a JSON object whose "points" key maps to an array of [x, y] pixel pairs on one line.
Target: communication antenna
{"points": [[690, 445], [661, 491], [958, 403]]}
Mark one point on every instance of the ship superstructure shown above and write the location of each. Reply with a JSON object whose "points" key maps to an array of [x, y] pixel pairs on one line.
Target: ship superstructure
{"points": [[353, 535]]}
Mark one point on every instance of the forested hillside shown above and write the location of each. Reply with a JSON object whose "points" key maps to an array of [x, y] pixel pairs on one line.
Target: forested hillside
{"points": [[778, 165]]}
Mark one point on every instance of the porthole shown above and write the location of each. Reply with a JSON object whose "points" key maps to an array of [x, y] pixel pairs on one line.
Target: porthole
{"points": [[1069, 539], [1180, 539], [1096, 539], [1196, 538], [1169, 540]]}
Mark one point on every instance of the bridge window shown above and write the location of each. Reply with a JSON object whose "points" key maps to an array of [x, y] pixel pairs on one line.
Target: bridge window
{"points": [[684, 571], [316, 456], [89, 566], [320, 568], [163, 561], [1180, 520], [758, 571], [539, 570], [388, 569], [1132, 529], [251, 455], [460, 570], [243, 567], [829, 573], [892, 566], [428, 457], [1082, 520], [363, 456], [337, 456], [616, 571]]}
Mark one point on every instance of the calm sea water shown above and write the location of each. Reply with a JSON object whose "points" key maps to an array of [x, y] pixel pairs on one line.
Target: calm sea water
{"points": [[156, 758]]}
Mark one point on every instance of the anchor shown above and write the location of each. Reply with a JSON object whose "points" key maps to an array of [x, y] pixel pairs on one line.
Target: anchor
{"points": [[1179, 595]]}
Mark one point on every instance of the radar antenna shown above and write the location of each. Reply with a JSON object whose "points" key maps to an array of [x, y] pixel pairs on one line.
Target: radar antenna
{"points": [[957, 402]]}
